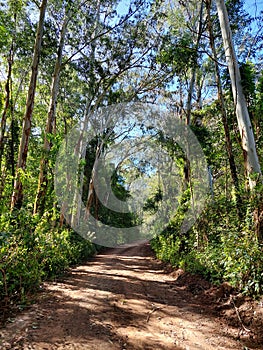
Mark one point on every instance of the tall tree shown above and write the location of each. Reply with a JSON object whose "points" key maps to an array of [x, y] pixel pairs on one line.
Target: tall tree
{"points": [[39, 204], [17, 196], [7, 44], [251, 160], [10, 60], [229, 146], [194, 66]]}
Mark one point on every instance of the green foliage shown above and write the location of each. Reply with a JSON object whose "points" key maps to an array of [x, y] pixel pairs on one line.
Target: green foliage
{"points": [[15, 6], [177, 53], [167, 248], [219, 247], [32, 250], [151, 204], [248, 77], [3, 36]]}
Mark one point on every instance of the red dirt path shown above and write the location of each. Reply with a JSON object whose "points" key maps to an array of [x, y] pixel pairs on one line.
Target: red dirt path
{"points": [[125, 299]]}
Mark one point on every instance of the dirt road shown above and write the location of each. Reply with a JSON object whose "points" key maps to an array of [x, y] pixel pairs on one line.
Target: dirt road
{"points": [[122, 299]]}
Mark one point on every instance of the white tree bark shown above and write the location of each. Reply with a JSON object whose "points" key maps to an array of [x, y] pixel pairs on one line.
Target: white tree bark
{"points": [[245, 128], [195, 65], [51, 122], [16, 200]]}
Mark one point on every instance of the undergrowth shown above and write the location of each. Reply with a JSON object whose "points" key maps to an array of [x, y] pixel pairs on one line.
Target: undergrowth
{"points": [[33, 250], [220, 247]]}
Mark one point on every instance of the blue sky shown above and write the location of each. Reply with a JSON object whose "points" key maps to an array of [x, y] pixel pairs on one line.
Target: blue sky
{"points": [[123, 7], [253, 7]]}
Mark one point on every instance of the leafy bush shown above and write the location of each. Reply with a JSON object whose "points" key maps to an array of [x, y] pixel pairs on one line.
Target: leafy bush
{"points": [[220, 246], [32, 250]]}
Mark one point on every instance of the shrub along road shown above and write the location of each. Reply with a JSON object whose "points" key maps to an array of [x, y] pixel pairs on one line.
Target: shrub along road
{"points": [[126, 299]]}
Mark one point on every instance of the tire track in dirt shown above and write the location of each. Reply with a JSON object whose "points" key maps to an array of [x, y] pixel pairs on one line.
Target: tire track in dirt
{"points": [[121, 299]]}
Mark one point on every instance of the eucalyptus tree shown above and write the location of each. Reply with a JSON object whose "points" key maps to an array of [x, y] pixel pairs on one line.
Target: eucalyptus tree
{"points": [[197, 40], [8, 29], [50, 122], [221, 99], [246, 132], [98, 50], [16, 49], [6, 37], [186, 33], [251, 160], [17, 195], [106, 59], [121, 67]]}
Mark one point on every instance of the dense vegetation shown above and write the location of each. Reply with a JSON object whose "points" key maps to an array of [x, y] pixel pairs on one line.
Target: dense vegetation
{"points": [[61, 60]]}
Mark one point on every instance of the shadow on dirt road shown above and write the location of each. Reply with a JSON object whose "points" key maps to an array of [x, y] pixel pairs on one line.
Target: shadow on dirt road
{"points": [[122, 299]]}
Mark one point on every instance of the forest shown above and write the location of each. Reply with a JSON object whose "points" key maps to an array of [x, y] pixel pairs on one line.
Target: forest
{"points": [[63, 61]]}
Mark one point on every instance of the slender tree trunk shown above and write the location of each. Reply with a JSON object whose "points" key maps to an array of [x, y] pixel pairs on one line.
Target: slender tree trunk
{"points": [[17, 196], [91, 192], [192, 81], [5, 112], [181, 103], [12, 147], [187, 165], [245, 128], [89, 107], [7, 102], [190, 97], [79, 149], [251, 160], [40, 199], [199, 93], [229, 147]]}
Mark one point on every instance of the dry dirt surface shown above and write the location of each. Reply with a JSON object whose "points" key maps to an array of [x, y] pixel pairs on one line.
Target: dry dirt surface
{"points": [[125, 299]]}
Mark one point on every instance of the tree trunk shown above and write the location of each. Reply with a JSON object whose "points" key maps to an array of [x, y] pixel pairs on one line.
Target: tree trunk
{"points": [[7, 102], [7, 108], [192, 81], [229, 147], [187, 165], [91, 192], [40, 199], [251, 161], [88, 109], [17, 196]]}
